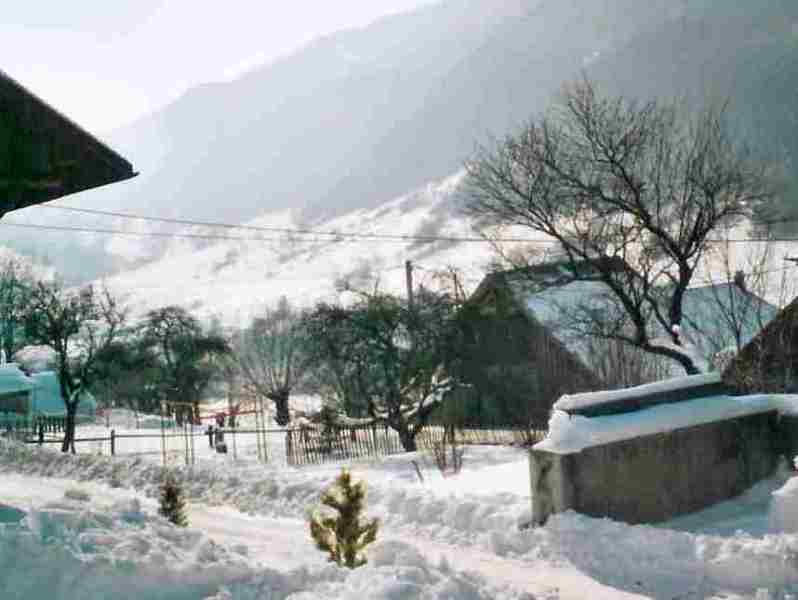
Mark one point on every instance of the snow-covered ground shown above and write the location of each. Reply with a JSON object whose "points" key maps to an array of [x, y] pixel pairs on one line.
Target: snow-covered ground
{"points": [[446, 537]]}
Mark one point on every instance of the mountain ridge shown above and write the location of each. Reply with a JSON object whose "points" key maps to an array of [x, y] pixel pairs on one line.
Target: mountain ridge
{"points": [[360, 117]]}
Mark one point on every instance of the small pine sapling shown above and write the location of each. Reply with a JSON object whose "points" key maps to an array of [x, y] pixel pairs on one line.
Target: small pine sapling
{"points": [[172, 501], [343, 536]]}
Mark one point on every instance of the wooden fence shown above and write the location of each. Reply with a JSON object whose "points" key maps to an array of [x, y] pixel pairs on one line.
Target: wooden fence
{"points": [[311, 446], [13, 423]]}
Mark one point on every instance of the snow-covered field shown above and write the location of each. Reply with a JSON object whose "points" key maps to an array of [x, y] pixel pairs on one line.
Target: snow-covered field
{"points": [[446, 537]]}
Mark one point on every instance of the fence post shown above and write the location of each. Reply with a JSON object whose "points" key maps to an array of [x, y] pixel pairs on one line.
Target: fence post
{"points": [[113, 442], [41, 434]]}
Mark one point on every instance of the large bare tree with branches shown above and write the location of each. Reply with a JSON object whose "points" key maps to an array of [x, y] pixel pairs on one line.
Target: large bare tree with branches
{"points": [[79, 326], [615, 182], [267, 353]]}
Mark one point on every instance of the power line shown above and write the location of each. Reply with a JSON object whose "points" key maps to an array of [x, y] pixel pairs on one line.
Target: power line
{"points": [[127, 232], [291, 230], [349, 234], [335, 237], [339, 238]]}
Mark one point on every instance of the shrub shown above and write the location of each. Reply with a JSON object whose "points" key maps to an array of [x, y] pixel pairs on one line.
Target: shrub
{"points": [[343, 535], [443, 457], [172, 501]]}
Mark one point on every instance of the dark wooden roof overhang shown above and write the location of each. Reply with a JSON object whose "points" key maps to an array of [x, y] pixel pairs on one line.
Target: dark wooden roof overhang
{"points": [[44, 155]]}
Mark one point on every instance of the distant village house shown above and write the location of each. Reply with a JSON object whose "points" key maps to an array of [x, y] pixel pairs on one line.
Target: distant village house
{"points": [[524, 350]]}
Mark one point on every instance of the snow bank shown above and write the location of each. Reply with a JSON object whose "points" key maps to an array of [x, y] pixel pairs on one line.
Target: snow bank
{"points": [[784, 507], [573, 433], [67, 550], [453, 510], [657, 561], [481, 508], [396, 571], [576, 401]]}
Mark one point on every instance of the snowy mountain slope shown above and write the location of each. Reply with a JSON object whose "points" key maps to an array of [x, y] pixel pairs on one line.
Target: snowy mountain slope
{"points": [[232, 278], [350, 121]]}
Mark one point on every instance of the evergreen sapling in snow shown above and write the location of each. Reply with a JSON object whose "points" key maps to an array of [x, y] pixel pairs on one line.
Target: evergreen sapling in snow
{"points": [[172, 501], [343, 536]]}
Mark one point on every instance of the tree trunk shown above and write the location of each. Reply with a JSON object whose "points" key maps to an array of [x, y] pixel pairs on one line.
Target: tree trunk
{"points": [[407, 438], [68, 444], [283, 414]]}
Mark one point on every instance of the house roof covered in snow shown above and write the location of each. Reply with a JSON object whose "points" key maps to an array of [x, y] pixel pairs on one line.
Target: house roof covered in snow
{"points": [[47, 397], [44, 155], [13, 380], [554, 295]]}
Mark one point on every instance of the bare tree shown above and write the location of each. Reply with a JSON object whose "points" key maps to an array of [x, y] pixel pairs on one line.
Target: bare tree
{"points": [[16, 282], [267, 353], [733, 308], [615, 183], [79, 326], [619, 365]]}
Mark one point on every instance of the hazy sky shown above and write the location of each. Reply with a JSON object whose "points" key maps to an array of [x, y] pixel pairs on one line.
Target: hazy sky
{"points": [[107, 62]]}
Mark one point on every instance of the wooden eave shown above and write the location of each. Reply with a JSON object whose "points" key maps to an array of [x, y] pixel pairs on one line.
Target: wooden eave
{"points": [[44, 155]]}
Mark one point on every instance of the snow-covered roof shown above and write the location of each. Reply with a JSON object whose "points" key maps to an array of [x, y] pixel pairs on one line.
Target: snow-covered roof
{"points": [[551, 306], [13, 380], [47, 396], [552, 296], [35, 358], [707, 310]]}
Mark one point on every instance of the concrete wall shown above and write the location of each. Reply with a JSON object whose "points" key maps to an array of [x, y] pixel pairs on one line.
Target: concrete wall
{"points": [[654, 478]]}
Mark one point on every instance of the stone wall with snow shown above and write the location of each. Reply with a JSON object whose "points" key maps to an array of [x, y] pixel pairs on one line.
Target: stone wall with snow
{"points": [[680, 389], [658, 461]]}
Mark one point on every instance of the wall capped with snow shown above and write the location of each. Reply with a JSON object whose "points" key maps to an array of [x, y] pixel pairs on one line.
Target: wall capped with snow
{"points": [[678, 389], [658, 476], [606, 454]]}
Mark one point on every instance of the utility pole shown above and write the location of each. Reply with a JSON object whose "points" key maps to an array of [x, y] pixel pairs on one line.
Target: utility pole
{"points": [[409, 280]]}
